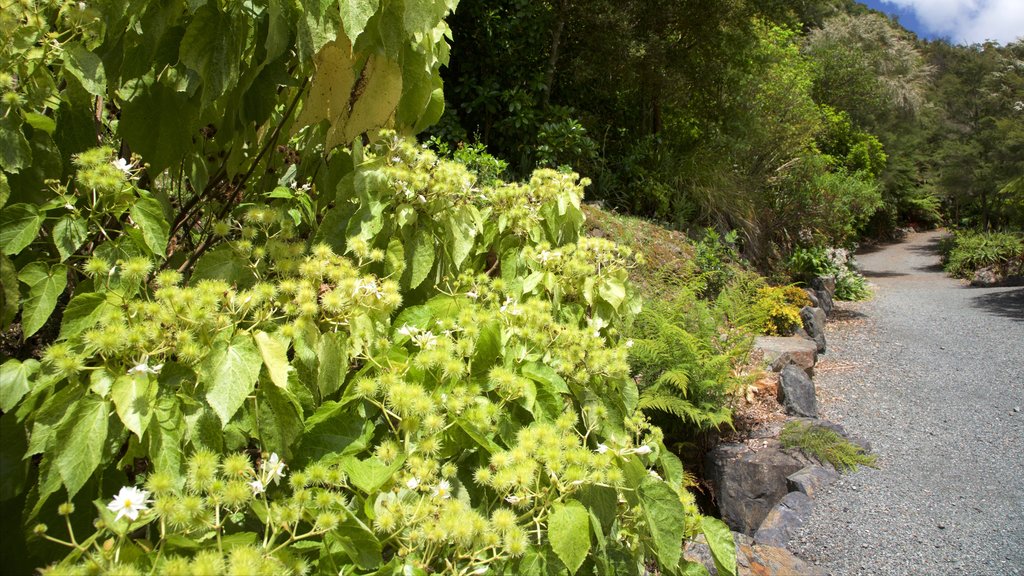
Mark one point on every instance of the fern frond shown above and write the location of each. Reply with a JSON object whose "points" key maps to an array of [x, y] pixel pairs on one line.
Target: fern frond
{"points": [[677, 378]]}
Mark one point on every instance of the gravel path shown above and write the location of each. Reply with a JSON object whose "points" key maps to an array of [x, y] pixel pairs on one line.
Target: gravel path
{"points": [[931, 372]]}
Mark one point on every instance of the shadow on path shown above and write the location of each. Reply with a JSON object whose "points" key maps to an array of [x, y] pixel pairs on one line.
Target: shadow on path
{"points": [[1006, 303], [885, 274]]}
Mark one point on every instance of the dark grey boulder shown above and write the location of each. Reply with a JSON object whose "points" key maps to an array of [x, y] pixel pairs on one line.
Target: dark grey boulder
{"points": [[784, 519], [987, 276], [779, 351], [814, 325], [747, 483], [810, 479], [812, 296], [824, 284], [796, 392]]}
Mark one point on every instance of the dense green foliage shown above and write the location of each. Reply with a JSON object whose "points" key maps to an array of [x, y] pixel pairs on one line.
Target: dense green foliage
{"points": [[826, 445], [967, 252]]}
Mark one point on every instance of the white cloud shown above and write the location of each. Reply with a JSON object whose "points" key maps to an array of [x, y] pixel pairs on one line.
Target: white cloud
{"points": [[969, 21]]}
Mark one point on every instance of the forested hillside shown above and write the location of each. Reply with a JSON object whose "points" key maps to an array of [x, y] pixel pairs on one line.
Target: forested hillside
{"points": [[410, 287], [798, 123]]}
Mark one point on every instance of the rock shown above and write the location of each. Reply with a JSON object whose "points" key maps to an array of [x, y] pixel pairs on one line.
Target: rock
{"points": [[812, 296], [825, 302], [987, 276], [814, 325], [784, 519], [810, 479], [824, 283], [796, 392], [748, 483], [779, 351], [752, 559]]}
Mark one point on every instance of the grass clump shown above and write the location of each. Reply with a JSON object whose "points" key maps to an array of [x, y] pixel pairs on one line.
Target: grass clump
{"points": [[969, 251], [825, 445]]}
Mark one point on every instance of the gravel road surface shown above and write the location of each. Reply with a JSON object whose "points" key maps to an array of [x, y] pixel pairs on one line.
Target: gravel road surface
{"points": [[931, 372]]}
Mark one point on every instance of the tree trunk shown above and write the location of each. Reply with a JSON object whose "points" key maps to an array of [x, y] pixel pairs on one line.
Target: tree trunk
{"points": [[556, 41]]}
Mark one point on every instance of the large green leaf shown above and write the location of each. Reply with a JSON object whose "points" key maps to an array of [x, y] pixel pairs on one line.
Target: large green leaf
{"points": [[15, 151], [721, 543], [14, 381], [355, 14], [9, 293], [5, 190], [82, 313], [69, 233], [19, 226], [13, 465], [159, 123], [86, 67], [333, 356], [165, 435], [569, 533], [333, 429], [221, 263], [371, 474], [420, 258], [133, 396], [280, 420], [212, 46], [230, 371], [665, 518], [274, 350], [358, 542], [45, 286], [148, 215], [80, 441]]}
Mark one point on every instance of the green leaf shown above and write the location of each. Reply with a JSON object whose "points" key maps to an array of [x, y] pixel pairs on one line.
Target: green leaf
{"points": [[5, 190], [531, 282], [274, 350], [230, 371], [212, 46], [355, 14], [358, 542], [45, 286], [159, 123], [69, 233], [87, 67], [133, 396], [371, 474], [222, 263], [9, 293], [613, 291], [14, 381], [13, 464], [420, 258], [80, 440], [333, 356], [333, 429], [665, 519], [15, 151], [166, 433], [280, 420], [19, 226], [720, 541], [569, 533], [82, 313], [544, 374], [148, 215]]}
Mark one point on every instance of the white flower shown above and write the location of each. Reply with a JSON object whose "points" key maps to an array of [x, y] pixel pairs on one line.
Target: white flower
{"points": [[442, 490], [654, 474], [123, 165], [513, 499], [422, 199], [130, 501], [645, 449], [413, 483], [144, 368], [472, 294], [480, 571], [425, 340], [257, 487], [629, 343], [601, 448], [273, 469], [407, 330]]}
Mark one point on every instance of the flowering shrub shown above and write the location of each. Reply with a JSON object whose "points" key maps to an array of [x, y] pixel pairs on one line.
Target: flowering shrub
{"points": [[445, 381]]}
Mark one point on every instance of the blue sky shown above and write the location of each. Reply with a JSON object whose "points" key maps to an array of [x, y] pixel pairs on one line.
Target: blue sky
{"points": [[960, 21]]}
